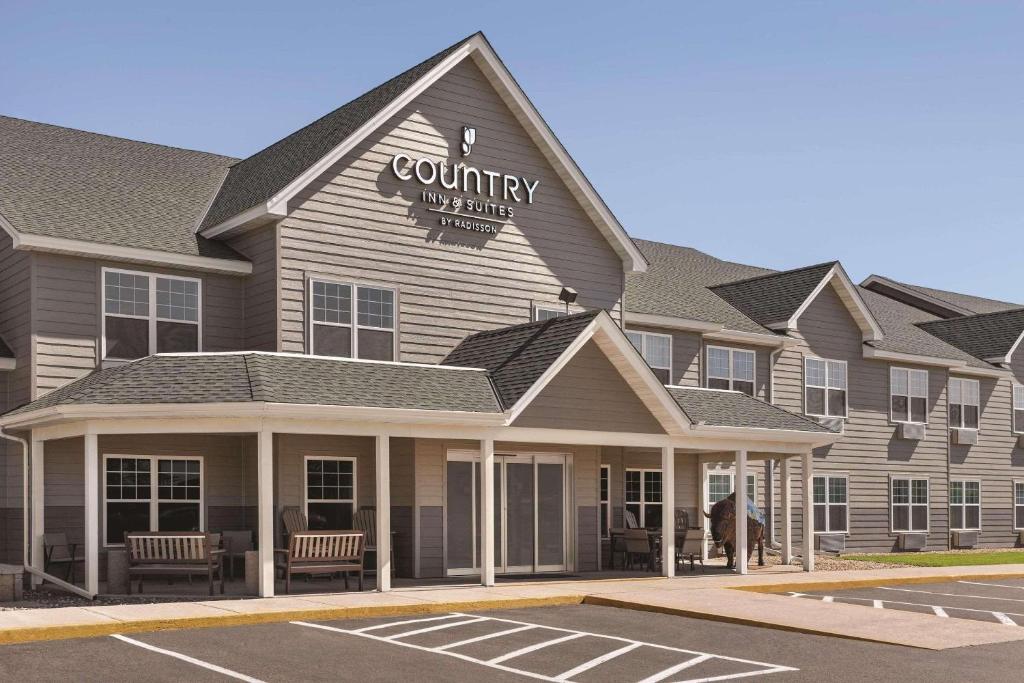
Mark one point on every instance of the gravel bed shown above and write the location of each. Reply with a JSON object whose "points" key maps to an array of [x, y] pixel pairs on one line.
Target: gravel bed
{"points": [[45, 598]]}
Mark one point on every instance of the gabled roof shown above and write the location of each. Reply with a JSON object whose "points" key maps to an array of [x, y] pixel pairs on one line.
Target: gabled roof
{"points": [[719, 408], [262, 185], [942, 303], [71, 191], [992, 337]]}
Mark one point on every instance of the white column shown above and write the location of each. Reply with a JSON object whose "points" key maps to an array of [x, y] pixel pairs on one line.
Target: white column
{"points": [[37, 498], [383, 512], [265, 511], [808, 493], [741, 512], [703, 507], [487, 512], [92, 514], [786, 485], [668, 511]]}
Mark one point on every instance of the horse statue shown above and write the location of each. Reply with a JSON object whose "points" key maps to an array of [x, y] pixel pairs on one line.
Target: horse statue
{"points": [[723, 528]]}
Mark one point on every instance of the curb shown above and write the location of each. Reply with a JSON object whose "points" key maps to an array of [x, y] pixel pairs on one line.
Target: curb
{"points": [[28, 634]]}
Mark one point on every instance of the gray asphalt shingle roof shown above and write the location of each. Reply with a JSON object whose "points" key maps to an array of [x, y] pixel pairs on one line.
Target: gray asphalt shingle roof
{"points": [[734, 409], [969, 302], [275, 378], [71, 184], [774, 298], [988, 335], [516, 357], [259, 177]]}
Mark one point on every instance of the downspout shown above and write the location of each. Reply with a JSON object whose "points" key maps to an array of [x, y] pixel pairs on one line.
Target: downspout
{"points": [[24, 493], [770, 463]]}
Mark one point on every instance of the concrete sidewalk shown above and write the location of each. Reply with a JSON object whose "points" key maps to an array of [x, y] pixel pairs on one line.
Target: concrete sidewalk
{"points": [[709, 597]]}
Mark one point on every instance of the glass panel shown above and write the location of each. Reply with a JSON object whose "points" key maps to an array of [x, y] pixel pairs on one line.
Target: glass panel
{"points": [[820, 518], [127, 338], [663, 375], [376, 307], [836, 374], [178, 516], [519, 513], [815, 372], [837, 518], [719, 487], [652, 487], [1019, 510], [604, 484], [899, 382], [332, 303], [901, 517], [460, 513], [376, 344], [177, 300], [955, 394], [125, 517], [329, 340], [549, 313], [718, 383], [635, 509], [658, 351], [126, 294], [746, 387], [899, 407], [919, 491], [919, 383], [718, 363], [971, 416], [815, 401], [837, 402], [973, 516], [956, 517], [972, 492], [837, 490], [332, 516], [550, 514], [919, 409], [955, 413], [900, 491], [919, 516], [743, 365], [819, 490], [637, 339], [956, 492], [1018, 420], [176, 337], [652, 517], [632, 485]]}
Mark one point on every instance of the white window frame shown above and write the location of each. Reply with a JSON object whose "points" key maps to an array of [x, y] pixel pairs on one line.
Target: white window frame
{"points": [[642, 502], [644, 336], [607, 503], [828, 504], [909, 395], [154, 500], [732, 379], [1017, 404], [909, 478], [559, 311], [949, 390], [151, 317], [1013, 500], [306, 500], [827, 387], [353, 325], [964, 505], [731, 473]]}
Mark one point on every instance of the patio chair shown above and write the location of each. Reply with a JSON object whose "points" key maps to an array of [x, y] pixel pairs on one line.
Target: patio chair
{"points": [[57, 550], [236, 543], [629, 517], [638, 546], [294, 520]]}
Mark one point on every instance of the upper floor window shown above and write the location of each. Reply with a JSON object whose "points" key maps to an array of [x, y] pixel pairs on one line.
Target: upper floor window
{"points": [[657, 351], [144, 313], [825, 387], [908, 394], [1018, 408], [334, 329], [548, 312], [731, 369], [964, 402]]}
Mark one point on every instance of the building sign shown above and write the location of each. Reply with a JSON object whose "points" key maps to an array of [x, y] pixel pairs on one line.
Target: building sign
{"points": [[464, 196]]}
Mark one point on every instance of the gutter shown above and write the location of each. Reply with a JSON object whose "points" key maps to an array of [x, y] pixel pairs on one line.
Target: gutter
{"points": [[24, 493]]}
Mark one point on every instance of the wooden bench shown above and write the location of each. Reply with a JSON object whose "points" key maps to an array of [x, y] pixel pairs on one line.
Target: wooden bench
{"points": [[323, 552], [173, 553]]}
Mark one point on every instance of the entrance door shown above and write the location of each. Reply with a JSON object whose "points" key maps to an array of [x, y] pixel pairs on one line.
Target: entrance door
{"points": [[530, 513]]}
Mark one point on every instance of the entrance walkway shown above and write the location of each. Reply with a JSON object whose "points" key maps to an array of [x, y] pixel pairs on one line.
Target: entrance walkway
{"points": [[760, 599]]}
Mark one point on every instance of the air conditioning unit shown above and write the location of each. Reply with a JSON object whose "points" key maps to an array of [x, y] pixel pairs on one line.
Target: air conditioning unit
{"points": [[833, 424], [832, 543], [910, 432], [963, 437], [965, 539], [913, 541]]}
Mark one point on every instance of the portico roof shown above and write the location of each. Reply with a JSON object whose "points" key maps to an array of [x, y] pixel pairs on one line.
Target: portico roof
{"points": [[721, 408]]}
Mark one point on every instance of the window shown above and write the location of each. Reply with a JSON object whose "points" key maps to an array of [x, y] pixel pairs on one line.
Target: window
{"points": [[330, 492], [1018, 408], [334, 331], [136, 325], [135, 500], [964, 505], [964, 401], [722, 483], [656, 350], [909, 504], [825, 387], [606, 500], [643, 497], [831, 513], [548, 312], [731, 369], [1018, 505], [908, 395]]}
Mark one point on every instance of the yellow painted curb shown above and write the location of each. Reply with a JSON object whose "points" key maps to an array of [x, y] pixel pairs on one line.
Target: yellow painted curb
{"points": [[799, 587], [40, 633]]}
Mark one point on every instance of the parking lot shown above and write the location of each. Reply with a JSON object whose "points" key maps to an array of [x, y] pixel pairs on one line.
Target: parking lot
{"points": [[998, 600], [589, 644]]}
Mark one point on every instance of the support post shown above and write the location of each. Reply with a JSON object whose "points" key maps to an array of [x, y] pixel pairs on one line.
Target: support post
{"points": [[92, 514], [808, 520], [383, 513], [38, 503], [265, 514], [487, 512], [668, 511], [741, 512], [787, 513]]}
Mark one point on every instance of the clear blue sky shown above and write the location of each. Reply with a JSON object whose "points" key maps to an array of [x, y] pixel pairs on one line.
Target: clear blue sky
{"points": [[889, 135]]}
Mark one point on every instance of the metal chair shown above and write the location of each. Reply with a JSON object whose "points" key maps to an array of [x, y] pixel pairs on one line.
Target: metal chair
{"points": [[236, 543], [57, 550], [638, 544]]}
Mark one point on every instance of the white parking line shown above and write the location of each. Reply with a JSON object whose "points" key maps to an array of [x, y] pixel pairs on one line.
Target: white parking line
{"points": [[564, 635], [428, 629], [939, 610], [1003, 619], [407, 621], [186, 658], [877, 604], [994, 585], [949, 595]]}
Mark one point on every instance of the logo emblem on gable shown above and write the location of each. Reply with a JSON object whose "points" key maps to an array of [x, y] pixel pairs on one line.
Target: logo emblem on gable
{"points": [[468, 138]]}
